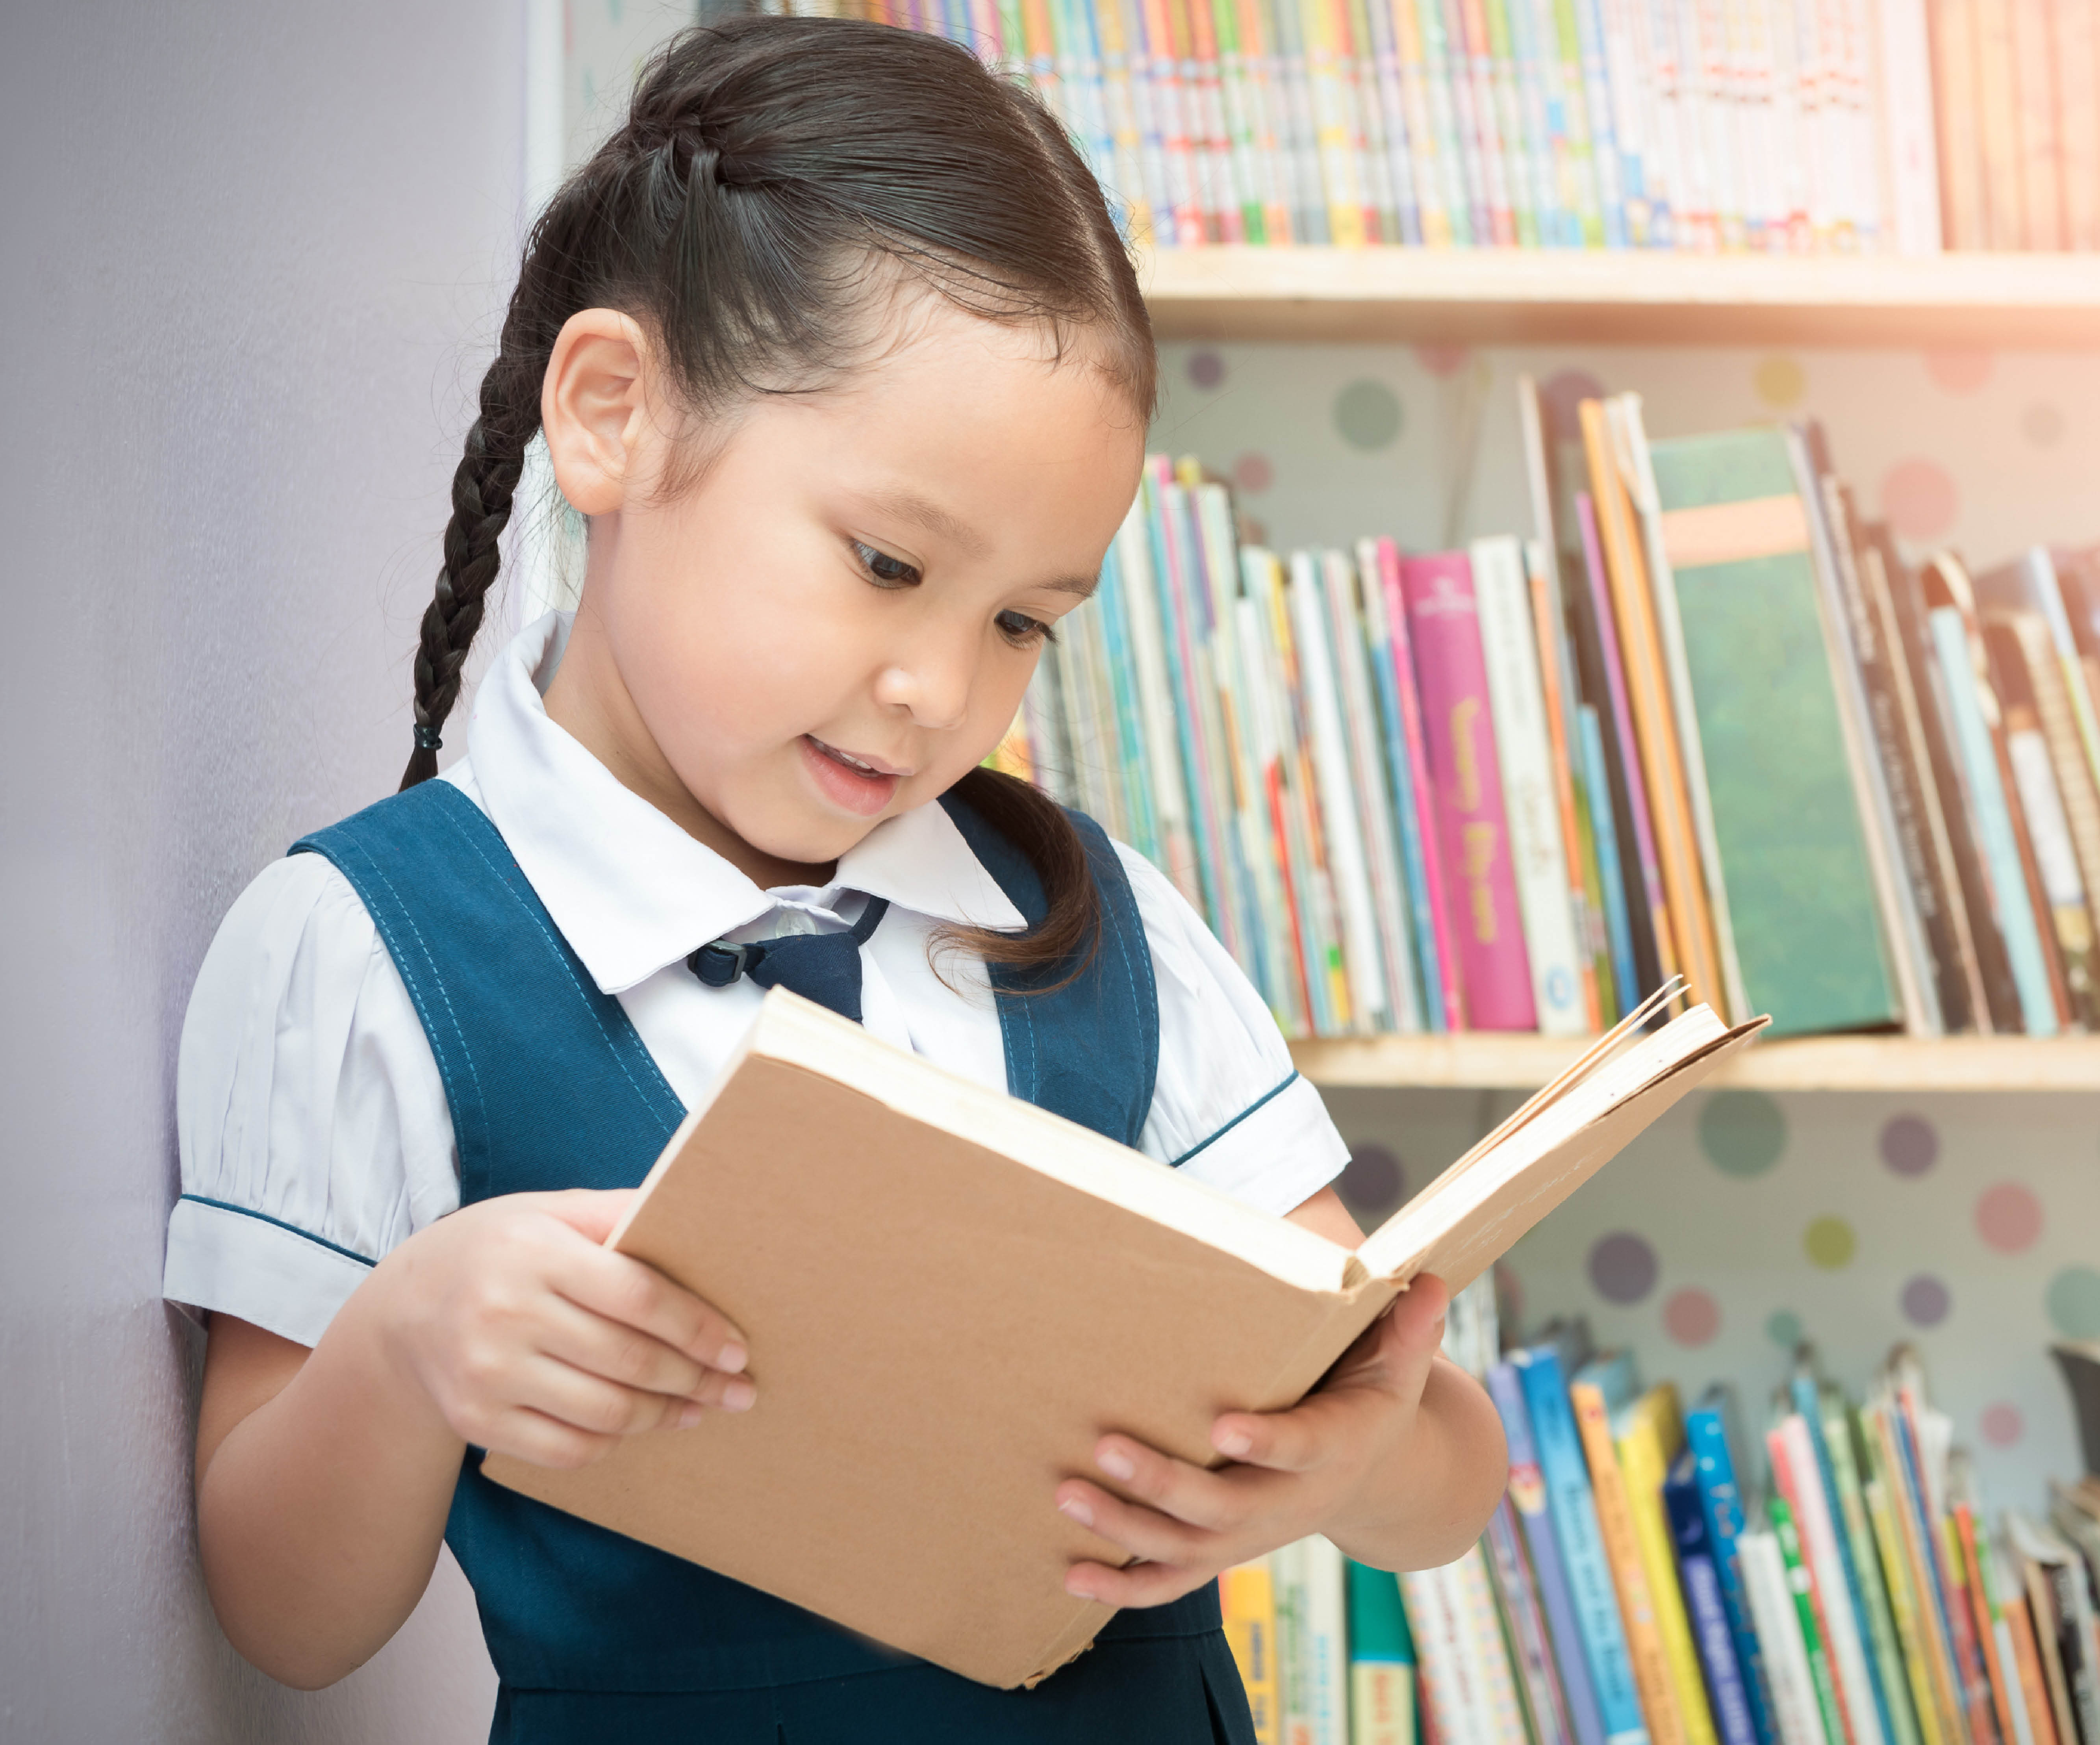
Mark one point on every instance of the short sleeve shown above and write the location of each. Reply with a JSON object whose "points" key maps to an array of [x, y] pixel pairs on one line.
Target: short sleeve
{"points": [[1229, 1108], [311, 1120]]}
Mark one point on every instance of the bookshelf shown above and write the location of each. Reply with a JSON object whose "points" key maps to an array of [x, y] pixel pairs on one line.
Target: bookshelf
{"points": [[2027, 302], [1480, 1061]]}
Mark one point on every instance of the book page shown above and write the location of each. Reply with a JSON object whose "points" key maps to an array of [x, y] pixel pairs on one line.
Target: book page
{"points": [[1622, 1084]]}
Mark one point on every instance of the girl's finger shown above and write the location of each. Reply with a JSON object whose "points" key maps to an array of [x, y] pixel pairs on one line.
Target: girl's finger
{"points": [[1295, 1440], [533, 1437], [616, 1351], [1138, 1584], [627, 1291], [1143, 1532], [591, 1403], [595, 1212], [1192, 1494]]}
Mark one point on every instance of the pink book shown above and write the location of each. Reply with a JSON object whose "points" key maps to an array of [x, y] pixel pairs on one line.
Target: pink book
{"points": [[1401, 649], [1451, 674]]}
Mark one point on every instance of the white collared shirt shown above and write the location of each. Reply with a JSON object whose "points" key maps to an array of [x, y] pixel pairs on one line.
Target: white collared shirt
{"points": [[312, 1122]]}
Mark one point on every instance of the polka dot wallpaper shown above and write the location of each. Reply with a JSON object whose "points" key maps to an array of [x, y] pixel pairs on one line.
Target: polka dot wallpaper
{"points": [[1742, 1223], [1969, 1226], [1987, 452]]}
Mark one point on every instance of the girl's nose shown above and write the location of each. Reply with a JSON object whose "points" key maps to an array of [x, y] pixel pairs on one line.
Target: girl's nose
{"points": [[934, 686]]}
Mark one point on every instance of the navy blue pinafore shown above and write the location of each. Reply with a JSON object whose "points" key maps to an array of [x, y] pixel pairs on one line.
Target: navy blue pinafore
{"points": [[598, 1638]]}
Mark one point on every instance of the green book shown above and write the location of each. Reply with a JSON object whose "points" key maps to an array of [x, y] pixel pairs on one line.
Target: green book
{"points": [[1804, 1606], [1838, 1436], [1793, 854]]}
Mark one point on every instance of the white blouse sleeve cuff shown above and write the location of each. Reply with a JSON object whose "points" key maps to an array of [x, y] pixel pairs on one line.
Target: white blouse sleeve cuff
{"points": [[1275, 1154], [281, 1279]]}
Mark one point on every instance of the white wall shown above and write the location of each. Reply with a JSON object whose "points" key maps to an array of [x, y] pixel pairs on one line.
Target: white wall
{"points": [[251, 258]]}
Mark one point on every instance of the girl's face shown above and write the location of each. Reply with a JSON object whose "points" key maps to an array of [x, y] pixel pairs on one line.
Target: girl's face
{"points": [[837, 620]]}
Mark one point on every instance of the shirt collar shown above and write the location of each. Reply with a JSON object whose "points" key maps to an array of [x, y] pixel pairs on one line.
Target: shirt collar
{"points": [[631, 891]]}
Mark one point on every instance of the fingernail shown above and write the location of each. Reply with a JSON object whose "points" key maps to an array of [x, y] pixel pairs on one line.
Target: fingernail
{"points": [[732, 1357], [1234, 1443], [1117, 1464], [737, 1395], [1074, 1586], [1077, 1511], [690, 1413]]}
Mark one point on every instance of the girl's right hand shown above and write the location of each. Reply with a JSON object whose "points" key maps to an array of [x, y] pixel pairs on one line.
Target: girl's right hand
{"points": [[531, 1338]]}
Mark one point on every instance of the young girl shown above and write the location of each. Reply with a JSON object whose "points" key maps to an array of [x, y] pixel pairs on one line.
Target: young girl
{"points": [[837, 349]]}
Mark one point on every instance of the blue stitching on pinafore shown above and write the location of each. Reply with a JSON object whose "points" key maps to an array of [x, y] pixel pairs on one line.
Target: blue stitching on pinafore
{"points": [[612, 1041], [467, 1053]]}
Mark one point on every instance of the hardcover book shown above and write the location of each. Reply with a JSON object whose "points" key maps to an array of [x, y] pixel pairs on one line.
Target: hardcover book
{"points": [[950, 1294]]}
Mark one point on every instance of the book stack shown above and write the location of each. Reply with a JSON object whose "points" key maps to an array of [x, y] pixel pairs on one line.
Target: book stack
{"points": [[1795, 126], [1635, 1588], [1704, 720]]}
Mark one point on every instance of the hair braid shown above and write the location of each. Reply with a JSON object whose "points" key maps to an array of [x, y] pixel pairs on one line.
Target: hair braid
{"points": [[483, 486]]}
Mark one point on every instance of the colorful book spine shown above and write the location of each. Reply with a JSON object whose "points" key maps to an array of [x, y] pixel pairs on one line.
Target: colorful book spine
{"points": [[1381, 1661], [1986, 790], [1802, 1586], [1246, 1596], [1795, 1474], [1434, 919], [1645, 1436], [1443, 621], [1721, 1497], [1700, 1579], [1523, 750], [1575, 1526], [1524, 1621], [1528, 1493], [1637, 1605], [1406, 775], [1797, 1716]]}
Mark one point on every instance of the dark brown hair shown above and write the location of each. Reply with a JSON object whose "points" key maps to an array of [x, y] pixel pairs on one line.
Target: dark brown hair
{"points": [[775, 178]]}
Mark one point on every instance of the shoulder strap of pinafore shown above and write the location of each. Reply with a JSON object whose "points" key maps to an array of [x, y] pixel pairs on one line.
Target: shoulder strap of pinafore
{"points": [[471, 938], [1088, 1049]]}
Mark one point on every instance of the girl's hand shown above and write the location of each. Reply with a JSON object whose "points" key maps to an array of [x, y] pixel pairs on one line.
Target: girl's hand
{"points": [[531, 1338], [1296, 1471]]}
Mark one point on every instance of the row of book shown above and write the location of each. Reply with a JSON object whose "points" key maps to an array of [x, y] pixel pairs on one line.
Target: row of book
{"points": [[1639, 1586], [1704, 721], [1763, 124], [2017, 101]]}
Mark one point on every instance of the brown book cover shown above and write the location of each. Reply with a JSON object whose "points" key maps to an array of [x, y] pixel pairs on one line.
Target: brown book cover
{"points": [[950, 1295]]}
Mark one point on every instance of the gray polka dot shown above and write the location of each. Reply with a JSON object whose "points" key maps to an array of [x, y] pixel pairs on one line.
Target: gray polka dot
{"points": [[1367, 413], [1374, 1182], [1910, 1145], [1926, 1302], [1623, 1267]]}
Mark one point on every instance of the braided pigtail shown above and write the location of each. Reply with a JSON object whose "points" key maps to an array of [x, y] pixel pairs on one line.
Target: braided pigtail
{"points": [[485, 483]]}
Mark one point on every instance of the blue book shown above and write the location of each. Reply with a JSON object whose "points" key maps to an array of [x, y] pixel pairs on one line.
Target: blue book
{"points": [[1700, 1579], [1527, 1490], [1604, 829], [1429, 981], [1807, 1402], [1574, 1512], [1706, 1438]]}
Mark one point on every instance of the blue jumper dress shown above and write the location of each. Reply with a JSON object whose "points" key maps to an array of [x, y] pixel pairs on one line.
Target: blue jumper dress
{"points": [[598, 1638]]}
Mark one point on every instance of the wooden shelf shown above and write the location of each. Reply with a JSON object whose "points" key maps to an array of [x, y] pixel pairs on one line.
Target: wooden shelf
{"points": [[1483, 1061], [2032, 302]]}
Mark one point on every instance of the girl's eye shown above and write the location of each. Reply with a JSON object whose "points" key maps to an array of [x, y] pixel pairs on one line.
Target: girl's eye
{"points": [[1023, 631], [891, 572]]}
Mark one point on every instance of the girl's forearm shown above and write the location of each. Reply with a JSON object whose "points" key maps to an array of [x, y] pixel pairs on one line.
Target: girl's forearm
{"points": [[319, 1514], [1431, 1496]]}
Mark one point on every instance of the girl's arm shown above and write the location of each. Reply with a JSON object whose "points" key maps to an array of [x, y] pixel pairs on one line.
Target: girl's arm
{"points": [[324, 1478]]}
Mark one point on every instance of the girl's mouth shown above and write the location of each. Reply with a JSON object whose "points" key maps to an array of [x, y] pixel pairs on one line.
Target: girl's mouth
{"points": [[855, 784]]}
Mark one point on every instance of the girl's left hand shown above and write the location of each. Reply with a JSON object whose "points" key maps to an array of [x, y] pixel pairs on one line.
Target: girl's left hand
{"points": [[1293, 1472]]}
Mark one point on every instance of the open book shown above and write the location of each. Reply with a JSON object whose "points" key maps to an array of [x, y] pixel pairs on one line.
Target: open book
{"points": [[950, 1294]]}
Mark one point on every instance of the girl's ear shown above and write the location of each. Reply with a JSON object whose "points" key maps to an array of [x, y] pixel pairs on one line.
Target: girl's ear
{"points": [[594, 408]]}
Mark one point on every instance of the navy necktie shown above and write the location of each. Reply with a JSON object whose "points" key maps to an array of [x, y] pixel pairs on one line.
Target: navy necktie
{"points": [[824, 967]]}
